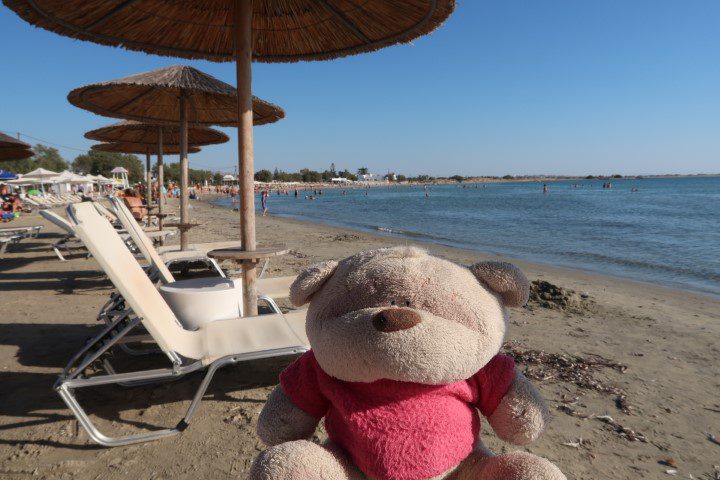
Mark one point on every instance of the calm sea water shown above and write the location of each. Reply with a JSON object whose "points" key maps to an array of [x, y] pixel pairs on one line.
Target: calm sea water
{"points": [[668, 232]]}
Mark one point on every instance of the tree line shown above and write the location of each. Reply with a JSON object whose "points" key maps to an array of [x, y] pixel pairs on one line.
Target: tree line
{"points": [[101, 163]]}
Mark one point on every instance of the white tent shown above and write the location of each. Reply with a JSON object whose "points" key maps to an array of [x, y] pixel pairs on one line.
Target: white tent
{"points": [[100, 179], [66, 180], [39, 176]]}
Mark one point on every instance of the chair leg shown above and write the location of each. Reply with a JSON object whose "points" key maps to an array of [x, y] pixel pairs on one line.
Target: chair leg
{"points": [[57, 252], [216, 266], [66, 393], [61, 243]]}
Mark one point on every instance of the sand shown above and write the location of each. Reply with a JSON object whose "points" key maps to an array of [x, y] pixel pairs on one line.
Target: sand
{"points": [[630, 371]]}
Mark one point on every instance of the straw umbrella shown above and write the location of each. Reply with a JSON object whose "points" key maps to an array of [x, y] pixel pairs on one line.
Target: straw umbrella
{"points": [[240, 31], [13, 149], [15, 153], [132, 131], [140, 148], [177, 94]]}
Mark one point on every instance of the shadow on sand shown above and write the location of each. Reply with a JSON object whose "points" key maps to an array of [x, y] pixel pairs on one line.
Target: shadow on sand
{"points": [[63, 282], [28, 399]]}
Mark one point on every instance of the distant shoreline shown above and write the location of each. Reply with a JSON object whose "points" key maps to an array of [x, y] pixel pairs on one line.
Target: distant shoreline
{"points": [[476, 180]]}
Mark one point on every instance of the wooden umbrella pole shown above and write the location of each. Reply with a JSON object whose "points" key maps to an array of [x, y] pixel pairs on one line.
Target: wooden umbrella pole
{"points": [[148, 178], [161, 177], [243, 60], [184, 213]]}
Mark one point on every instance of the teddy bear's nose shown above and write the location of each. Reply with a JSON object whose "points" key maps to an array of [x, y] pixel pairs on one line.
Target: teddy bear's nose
{"points": [[395, 319]]}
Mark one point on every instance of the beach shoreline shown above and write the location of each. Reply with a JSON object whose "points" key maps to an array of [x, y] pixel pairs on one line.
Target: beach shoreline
{"points": [[642, 355], [427, 243]]}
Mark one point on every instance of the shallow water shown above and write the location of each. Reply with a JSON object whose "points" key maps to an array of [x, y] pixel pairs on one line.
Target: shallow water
{"points": [[668, 232]]}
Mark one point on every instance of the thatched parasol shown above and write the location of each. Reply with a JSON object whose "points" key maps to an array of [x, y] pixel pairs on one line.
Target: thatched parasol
{"points": [[179, 94], [241, 30], [153, 97], [6, 141], [131, 131], [283, 30], [143, 132], [15, 153], [13, 149], [139, 148]]}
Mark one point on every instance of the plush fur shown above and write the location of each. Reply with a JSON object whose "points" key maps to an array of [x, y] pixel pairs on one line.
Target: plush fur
{"points": [[400, 315]]}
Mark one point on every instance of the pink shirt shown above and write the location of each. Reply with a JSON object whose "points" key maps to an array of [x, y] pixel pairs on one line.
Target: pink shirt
{"points": [[399, 430]]}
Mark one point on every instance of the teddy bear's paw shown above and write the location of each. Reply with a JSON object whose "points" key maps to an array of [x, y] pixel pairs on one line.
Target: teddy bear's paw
{"points": [[519, 466], [302, 460]]}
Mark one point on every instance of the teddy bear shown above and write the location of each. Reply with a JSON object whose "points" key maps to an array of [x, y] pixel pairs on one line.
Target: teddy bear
{"points": [[404, 358]]}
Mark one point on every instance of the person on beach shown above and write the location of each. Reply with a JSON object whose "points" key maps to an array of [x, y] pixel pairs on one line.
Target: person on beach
{"points": [[134, 204], [263, 200], [10, 203]]}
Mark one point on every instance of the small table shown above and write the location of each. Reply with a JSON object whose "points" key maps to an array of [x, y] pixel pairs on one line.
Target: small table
{"points": [[262, 252], [183, 227], [160, 217]]}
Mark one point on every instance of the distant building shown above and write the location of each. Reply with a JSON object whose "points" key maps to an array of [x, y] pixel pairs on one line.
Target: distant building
{"points": [[340, 180], [371, 177]]}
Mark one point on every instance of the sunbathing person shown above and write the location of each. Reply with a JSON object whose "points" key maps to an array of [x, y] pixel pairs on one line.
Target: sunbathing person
{"points": [[10, 202], [134, 203]]}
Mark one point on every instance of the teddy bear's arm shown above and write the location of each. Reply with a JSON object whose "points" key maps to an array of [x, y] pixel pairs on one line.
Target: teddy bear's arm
{"points": [[521, 416], [281, 421]]}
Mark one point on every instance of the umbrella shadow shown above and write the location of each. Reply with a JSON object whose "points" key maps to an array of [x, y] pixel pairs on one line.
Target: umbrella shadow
{"points": [[67, 282]]}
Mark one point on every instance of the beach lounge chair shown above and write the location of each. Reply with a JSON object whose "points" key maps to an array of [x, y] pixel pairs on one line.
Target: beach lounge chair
{"points": [[141, 238], [212, 346], [12, 235], [182, 294], [67, 239], [269, 288], [26, 232], [7, 240], [113, 217]]}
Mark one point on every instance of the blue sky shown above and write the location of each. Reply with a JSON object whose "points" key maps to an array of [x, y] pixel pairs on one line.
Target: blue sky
{"points": [[503, 87]]}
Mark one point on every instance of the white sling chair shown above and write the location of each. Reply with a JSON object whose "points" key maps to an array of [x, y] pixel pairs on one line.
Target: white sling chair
{"points": [[63, 224], [70, 234], [156, 235], [14, 235], [142, 240], [187, 296], [214, 345], [269, 288], [26, 232]]}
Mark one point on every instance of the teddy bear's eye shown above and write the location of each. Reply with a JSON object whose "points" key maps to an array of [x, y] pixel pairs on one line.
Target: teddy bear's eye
{"points": [[392, 302], [407, 303]]}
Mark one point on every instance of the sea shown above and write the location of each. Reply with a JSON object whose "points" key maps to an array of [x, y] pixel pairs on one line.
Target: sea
{"points": [[659, 230]]}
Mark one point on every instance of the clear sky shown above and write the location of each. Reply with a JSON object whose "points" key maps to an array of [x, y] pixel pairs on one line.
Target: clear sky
{"points": [[503, 87]]}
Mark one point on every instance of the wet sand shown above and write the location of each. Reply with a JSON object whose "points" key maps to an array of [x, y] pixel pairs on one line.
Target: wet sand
{"points": [[630, 371]]}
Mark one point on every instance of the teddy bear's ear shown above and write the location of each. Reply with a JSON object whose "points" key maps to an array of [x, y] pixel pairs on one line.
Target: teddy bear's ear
{"points": [[310, 281], [505, 279]]}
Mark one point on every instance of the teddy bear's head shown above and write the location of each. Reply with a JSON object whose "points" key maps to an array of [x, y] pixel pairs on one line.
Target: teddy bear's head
{"points": [[402, 314]]}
